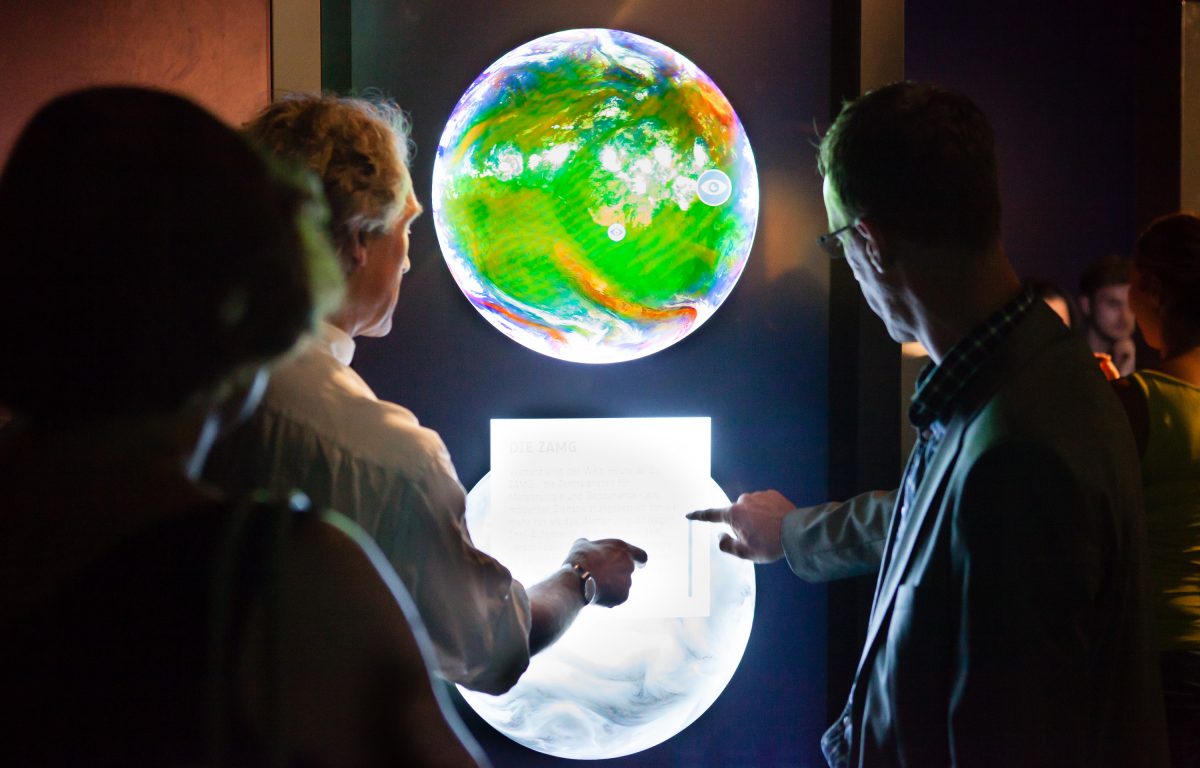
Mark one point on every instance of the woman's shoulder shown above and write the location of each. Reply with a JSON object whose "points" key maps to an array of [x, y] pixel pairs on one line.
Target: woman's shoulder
{"points": [[1179, 381], [355, 643]]}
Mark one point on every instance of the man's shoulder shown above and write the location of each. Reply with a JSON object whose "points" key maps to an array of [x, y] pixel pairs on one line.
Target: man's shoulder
{"points": [[316, 394], [1059, 387], [1042, 378], [1054, 406]]}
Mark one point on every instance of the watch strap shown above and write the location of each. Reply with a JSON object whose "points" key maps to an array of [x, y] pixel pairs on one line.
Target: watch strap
{"points": [[587, 583]]}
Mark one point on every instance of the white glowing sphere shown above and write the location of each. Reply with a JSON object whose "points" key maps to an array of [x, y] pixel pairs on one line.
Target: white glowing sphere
{"points": [[614, 683]]}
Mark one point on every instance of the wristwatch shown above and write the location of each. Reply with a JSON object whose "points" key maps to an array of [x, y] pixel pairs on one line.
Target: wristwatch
{"points": [[587, 583]]}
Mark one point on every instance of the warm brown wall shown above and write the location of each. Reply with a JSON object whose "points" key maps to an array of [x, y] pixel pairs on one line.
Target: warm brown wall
{"points": [[215, 51]]}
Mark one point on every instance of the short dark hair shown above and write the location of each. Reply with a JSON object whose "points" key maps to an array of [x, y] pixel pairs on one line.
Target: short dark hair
{"points": [[921, 160], [1169, 250], [1110, 270], [147, 253]]}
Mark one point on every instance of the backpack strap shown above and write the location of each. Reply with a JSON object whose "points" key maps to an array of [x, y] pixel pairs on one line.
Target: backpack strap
{"points": [[248, 567]]}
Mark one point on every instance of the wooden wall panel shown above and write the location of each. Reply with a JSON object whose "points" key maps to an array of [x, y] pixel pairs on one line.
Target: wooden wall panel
{"points": [[218, 52]]}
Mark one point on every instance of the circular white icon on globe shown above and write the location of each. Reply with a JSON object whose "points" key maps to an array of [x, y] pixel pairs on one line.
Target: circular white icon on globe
{"points": [[713, 187], [595, 196]]}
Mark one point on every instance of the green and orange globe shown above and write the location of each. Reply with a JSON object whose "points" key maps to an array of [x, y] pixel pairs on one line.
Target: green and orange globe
{"points": [[595, 195]]}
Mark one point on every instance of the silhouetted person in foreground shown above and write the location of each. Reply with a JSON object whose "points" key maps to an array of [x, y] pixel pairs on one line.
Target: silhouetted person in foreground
{"points": [[151, 263]]}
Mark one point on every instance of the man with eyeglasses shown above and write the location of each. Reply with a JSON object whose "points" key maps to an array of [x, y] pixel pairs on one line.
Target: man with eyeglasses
{"points": [[1009, 626]]}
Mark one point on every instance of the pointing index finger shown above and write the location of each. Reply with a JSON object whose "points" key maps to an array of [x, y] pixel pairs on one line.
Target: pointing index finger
{"points": [[716, 515]]}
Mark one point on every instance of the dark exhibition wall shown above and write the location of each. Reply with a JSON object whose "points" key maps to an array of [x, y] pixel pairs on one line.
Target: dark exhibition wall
{"points": [[1084, 96], [757, 367], [1061, 83], [217, 52], [1058, 81]]}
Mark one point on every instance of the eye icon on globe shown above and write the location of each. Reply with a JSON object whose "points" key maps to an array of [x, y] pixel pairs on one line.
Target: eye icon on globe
{"points": [[595, 196], [713, 187]]}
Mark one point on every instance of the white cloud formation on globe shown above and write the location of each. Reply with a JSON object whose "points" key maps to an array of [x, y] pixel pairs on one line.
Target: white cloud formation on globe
{"points": [[565, 195], [615, 685]]}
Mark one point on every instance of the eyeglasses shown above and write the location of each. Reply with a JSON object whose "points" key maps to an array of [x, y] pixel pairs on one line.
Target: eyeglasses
{"points": [[832, 244]]}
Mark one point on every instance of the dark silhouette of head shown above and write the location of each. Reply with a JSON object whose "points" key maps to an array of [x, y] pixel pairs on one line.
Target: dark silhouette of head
{"points": [[920, 160], [148, 254], [1167, 259]]}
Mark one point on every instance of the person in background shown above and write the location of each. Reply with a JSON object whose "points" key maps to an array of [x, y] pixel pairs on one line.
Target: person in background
{"points": [[1108, 320], [1010, 625], [1065, 308], [1163, 405], [1057, 299], [151, 264], [321, 428]]}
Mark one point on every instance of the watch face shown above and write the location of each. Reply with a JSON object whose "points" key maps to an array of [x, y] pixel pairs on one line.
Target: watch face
{"points": [[589, 589]]}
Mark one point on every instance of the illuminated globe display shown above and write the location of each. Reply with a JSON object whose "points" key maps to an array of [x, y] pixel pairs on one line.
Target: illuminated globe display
{"points": [[595, 195]]}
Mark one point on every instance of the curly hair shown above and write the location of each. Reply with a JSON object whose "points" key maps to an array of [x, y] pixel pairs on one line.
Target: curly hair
{"points": [[359, 149], [187, 259], [919, 158]]}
